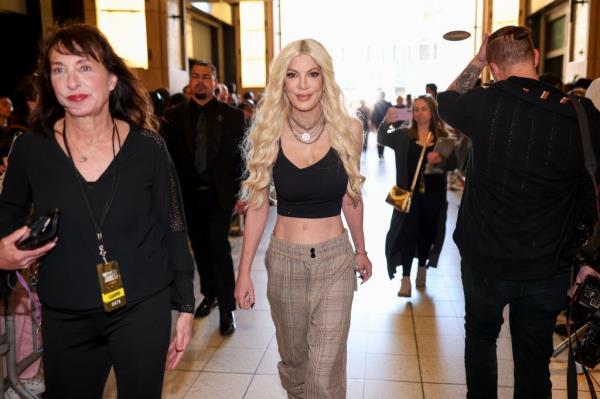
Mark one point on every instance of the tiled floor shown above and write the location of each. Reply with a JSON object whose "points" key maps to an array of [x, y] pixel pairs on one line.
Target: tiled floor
{"points": [[398, 347]]}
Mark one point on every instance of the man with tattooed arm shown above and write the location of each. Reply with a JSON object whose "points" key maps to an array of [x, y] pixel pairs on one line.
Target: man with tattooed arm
{"points": [[525, 192]]}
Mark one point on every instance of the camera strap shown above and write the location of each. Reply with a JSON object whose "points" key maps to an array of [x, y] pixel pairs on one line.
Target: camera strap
{"points": [[591, 166]]}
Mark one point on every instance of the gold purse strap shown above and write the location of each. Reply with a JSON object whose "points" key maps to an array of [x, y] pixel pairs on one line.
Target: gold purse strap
{"points": [[416, 176]]}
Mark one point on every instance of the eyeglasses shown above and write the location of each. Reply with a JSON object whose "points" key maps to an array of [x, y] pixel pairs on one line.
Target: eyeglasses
{"points": [[517, 33]]}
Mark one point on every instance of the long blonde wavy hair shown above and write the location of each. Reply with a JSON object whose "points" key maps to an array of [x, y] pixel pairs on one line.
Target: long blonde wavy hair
{"points": [[260, 145]]}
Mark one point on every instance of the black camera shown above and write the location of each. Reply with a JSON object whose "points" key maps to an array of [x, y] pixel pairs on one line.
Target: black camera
{"points": [[43, 230], [586, 302]]}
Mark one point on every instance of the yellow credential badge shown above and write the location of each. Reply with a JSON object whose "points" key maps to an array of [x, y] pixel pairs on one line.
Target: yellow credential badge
{"points": [[111, 285]]}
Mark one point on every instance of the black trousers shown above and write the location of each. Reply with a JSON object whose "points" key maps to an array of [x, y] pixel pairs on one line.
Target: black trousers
{"points": [[420, 228], [208, 229], [534, 306], [81, 347]]}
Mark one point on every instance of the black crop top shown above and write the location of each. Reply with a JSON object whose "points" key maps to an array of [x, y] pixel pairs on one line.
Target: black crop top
{"points": [[312, 192]]}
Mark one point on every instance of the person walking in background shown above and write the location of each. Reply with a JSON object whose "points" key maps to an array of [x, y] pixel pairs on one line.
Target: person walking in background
{"points": [[204, 135], [122, 260], [526, 190], [304, 138], [187, 91], [420, 232], [233, 98], [222, 93], [364, 114], [379, 110], [431, 90], [400, 102], [6, 109]]}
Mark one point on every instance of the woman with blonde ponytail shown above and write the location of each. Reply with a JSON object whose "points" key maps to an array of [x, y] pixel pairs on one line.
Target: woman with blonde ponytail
{"points": [[305, 142]]}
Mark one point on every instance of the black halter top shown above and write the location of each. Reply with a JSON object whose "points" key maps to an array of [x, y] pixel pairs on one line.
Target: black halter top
{"points": [[312, 192]]}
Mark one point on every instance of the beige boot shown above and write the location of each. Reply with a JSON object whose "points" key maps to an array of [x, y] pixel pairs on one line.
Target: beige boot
{"points": [[405, 287], [421, 276]]}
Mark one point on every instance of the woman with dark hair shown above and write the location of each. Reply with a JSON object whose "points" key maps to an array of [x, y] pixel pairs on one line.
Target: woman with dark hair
{"points": [[420, 233], [122, 262]]}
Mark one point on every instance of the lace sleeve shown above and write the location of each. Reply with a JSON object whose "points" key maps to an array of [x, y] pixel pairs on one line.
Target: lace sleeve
{"points": [[167, 195]]}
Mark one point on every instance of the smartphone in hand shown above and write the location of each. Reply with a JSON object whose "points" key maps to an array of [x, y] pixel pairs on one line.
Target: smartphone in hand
{"points": [[42, 230]]}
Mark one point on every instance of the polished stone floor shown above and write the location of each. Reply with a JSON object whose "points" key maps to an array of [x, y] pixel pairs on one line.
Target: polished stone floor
{"points": [[398, 347]]}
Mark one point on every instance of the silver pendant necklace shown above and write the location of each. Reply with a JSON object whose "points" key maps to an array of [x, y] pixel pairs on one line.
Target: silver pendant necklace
{"points": [[81, 157], [306, 134]]}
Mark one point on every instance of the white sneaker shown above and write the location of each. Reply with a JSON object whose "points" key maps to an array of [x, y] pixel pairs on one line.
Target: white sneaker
{"points": [[405, 287], [421, 276]]}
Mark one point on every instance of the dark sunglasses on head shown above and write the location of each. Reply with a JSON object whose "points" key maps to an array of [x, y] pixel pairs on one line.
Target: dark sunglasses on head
{"points": [[517, 32]]}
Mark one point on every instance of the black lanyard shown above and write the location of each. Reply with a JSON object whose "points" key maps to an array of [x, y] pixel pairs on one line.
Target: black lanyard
{"points": [[79, 178]]}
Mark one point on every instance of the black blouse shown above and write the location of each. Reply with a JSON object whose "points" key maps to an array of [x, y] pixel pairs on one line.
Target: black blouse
{"points": [[433, 183], [144, 230]]}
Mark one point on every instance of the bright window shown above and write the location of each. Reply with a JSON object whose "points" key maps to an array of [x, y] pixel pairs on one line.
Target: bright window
{"points": [[253, 44], [505, 13], [123, 22], [392, 45]]}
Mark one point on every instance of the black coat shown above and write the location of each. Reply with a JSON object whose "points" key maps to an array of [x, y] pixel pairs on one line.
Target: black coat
{"points": [[399, 141], [226, 126]]}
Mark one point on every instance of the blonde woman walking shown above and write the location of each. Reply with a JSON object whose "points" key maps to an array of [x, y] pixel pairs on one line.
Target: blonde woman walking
{"points": [[304, 140]]}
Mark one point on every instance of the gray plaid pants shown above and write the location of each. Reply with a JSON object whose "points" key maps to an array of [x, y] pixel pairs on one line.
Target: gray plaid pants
{"points": [[310, 291]]}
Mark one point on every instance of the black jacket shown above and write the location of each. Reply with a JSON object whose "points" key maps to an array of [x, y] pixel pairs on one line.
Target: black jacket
{"points": [[226, 125], [144, 230], [526, 186]]}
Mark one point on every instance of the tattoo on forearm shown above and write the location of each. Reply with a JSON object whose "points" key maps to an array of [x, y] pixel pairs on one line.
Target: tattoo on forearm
{"points": [[466, 80]]}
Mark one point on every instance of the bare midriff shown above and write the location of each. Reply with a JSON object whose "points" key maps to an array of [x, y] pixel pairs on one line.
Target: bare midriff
{"points": [[308, 231]]}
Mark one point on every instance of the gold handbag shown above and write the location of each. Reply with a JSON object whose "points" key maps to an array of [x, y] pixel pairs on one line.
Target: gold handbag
{"points": [[400, 198]]}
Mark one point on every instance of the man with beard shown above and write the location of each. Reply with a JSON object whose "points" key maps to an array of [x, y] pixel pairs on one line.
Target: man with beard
{"points": [[203, 136]]}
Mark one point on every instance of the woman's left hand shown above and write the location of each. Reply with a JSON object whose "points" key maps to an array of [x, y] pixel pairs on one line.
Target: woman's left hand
{"points": [[364, 267], [183, 334], [434, 158]]}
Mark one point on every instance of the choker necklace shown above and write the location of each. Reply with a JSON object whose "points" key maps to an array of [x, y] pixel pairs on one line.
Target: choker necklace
{"points": [[307, 134]]}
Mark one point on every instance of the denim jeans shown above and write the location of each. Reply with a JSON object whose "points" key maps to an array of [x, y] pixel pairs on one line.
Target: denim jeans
{"points": [[533, 308]]}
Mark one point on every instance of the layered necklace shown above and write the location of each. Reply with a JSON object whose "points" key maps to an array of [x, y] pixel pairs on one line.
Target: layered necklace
{"points": [[307, 134]]}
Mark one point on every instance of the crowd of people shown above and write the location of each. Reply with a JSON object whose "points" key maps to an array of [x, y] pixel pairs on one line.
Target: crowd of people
{"points": [[146, 184]]}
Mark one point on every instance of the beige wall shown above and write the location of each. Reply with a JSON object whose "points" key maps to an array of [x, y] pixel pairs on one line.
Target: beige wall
{"points": [[536, 5], [584, 36], [19, 6], [176, 49], [201, 46], [593, 67], [156, 76]]}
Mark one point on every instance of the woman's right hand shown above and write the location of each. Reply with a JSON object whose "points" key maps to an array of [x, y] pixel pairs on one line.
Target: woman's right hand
{"points": [[12, 258], [392, 115], [244, 291]]}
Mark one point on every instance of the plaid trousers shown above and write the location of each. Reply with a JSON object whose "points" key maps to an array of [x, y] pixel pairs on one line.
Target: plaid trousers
{"points": [[310, 291]]}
